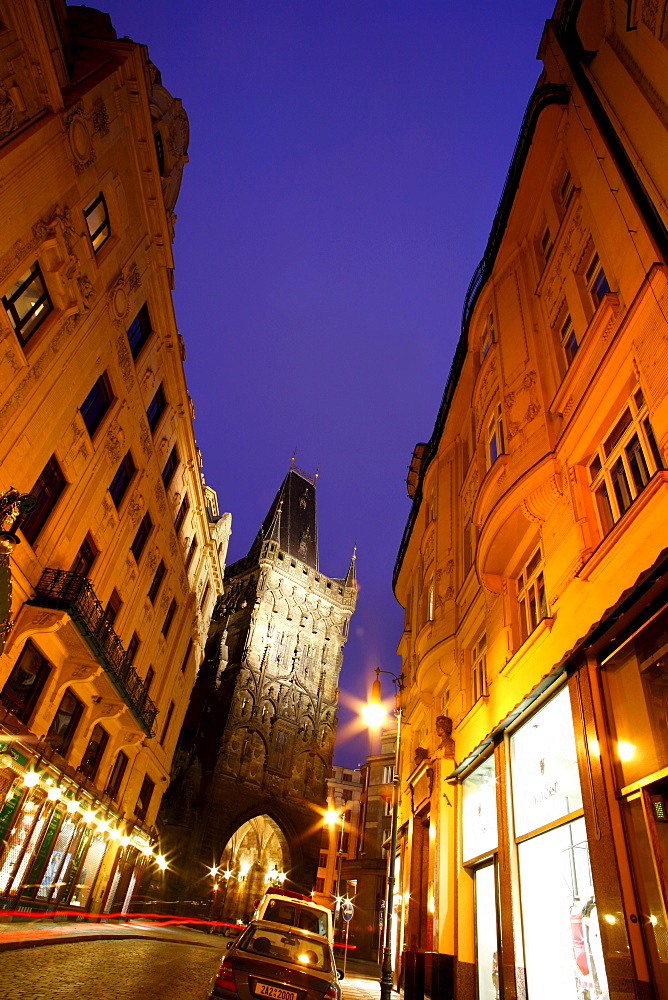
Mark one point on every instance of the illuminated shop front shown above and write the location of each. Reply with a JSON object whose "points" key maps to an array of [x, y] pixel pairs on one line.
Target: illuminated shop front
{"points": [[555, 914]]}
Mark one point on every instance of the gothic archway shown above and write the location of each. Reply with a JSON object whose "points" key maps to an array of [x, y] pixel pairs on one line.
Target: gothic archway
{"points": [[256, 856]]}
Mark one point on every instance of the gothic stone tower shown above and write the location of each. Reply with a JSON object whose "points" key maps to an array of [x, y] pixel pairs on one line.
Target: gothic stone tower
{"points": [[257, 743]]}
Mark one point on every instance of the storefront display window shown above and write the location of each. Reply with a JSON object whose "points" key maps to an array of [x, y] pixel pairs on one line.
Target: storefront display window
{"points": [[89, 869], [486, 933], [545, 779], [635, 678], [479, 811], [58, 860]]}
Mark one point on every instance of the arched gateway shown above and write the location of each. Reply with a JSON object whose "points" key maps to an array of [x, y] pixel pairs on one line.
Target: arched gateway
{"points": [[256, 856]]}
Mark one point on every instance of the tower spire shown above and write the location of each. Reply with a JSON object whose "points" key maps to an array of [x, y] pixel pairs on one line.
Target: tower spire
{"points": [[351, 576]]}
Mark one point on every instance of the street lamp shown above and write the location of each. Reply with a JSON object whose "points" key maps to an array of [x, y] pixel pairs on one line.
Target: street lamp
{"points": [[374, 714], [332, 818]]}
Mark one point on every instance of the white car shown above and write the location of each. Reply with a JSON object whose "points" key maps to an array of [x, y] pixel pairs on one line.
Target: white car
{"points": [[295, 910]]}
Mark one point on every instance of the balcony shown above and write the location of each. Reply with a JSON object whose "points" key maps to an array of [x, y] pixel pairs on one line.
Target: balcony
{"points": [[73, 593]]}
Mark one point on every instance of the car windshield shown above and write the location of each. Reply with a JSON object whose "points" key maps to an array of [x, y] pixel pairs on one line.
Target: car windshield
{"points": [[282, 912], [286, 946]]}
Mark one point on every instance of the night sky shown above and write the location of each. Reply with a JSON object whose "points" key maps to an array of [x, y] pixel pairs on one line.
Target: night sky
{"points": [[346, 160]]}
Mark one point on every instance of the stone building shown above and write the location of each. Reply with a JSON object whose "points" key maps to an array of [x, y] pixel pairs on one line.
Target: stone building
{"points": [[339, 838], [533, 566], [256, 748], [116, 570]]}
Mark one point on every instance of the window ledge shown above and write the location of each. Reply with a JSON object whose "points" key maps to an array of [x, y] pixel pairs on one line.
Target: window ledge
{"points": [[658, 481], [543, 626]]}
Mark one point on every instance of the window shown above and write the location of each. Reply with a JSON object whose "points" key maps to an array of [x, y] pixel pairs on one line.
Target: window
{"points": [[97, 220], [141, 538], [84, 558], [191, 551], [46, 491], [388, 774], [119, 484], [322, 860], [430, 600], [26, 682], [531, 596], [159, 151], [64, 723], [344, 843], [170, 467], [347, 794], [479, 669], [144, 798], [27, 303], [92, 758], [96, 404], [158, 577], [596, 281], [186, 657], [116, 776], [320, 885], [169, 617], [488, 335], [133, 646], [139, 331], [495, 442], [624, 463], [168, 719], [569, 341], [347, 776], [207, 589], [156, 408], [181, 514], [566, 190], [113, 606], [148, 680], [546, 243]]}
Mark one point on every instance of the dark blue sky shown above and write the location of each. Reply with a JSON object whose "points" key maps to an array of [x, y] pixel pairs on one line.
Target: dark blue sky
{"points": [[346, 160]]}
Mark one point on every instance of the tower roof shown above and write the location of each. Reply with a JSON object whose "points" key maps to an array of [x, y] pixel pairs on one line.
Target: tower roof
{"points": [[292, 519]]}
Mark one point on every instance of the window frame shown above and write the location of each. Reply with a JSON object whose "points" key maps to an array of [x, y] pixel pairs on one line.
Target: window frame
{"points": [[116, 776], [90, 770], [156, 407], [105, 224], [532, 593], [607, 478], [142, 536], [84, 561], [61, 742], [488, 335], [41, 675], [139, 332], [181, 513], [97, 404], [52, 488], [25, 325], [156, 582], [144, 798], [120, 484], [170, 467], [592, 274], [479, 683], [169, 617], [494, 433]]}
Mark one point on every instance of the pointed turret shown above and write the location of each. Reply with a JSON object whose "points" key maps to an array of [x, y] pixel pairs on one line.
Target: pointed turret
{"points": [[292, 518], [351, 577]]}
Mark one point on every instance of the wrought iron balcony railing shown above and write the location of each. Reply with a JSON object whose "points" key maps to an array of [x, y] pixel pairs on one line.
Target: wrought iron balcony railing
{"points": [[73, 593]]}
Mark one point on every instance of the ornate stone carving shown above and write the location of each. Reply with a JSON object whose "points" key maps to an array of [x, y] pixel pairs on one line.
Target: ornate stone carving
{"points": [[8, 122], [81, 142], [124, 359], [444, 731]]}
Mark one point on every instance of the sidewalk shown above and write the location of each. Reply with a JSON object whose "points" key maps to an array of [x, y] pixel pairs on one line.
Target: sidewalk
{"points": [[36, 933], [355, 987]]}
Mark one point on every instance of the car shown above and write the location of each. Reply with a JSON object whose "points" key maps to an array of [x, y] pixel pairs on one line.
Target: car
{"points": [[277, 962], [296, 910]]}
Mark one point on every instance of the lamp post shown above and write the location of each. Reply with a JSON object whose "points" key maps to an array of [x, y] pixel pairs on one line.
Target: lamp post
{"points": [[374, 714], [332, 818]]}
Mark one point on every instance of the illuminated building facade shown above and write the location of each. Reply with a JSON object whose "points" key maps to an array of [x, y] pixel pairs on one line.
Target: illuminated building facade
{"points": [[532, 570], [256, 747], [116, 570]]}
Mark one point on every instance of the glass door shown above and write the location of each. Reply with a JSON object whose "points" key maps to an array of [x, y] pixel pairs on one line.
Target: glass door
{"points": [[487, 932]]}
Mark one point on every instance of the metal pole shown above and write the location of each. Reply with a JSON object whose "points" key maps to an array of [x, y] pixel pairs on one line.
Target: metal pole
{"points": [[345, 953], [338, 870], [386, 969]]}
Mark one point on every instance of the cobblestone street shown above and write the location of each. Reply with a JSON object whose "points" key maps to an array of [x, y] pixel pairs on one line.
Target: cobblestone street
{"points": [[128, 969]]}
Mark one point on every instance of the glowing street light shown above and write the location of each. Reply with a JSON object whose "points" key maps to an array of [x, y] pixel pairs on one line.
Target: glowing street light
{"points": [[375, 713]]}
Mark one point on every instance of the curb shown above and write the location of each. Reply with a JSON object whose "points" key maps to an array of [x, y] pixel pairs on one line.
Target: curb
{"points": [[78, 938]]}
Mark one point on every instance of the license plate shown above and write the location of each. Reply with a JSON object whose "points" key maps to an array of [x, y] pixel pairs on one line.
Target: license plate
{"points": [[275, 992]]}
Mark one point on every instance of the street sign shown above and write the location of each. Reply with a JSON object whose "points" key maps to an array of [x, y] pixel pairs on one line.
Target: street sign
{"points": [[347, 910]]}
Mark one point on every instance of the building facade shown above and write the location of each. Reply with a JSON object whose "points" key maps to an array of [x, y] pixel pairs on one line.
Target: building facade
{"points": [[116, 569], [247, 803], [532, 570]]}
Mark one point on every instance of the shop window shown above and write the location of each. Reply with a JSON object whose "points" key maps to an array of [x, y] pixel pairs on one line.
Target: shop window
{"points": [[156, 408], [64, 723], [169, 618], [596, 281], [25, 683], [568, 338], [124, 474], [116, 776], [181, 514], [624, 463], [46, 491], [85, 557], [158, 577], [168, 719], [96, 404], [143, 531], [139, 331], [488, 966], [479, 669], [170, 467], [191, 551], [488, 335], [27, 303], [97, 221], [495, 445], [144, 798], [479, 829], [531, 597], [92, 758]]}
